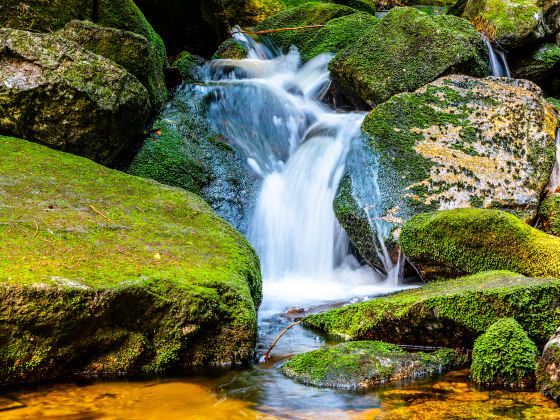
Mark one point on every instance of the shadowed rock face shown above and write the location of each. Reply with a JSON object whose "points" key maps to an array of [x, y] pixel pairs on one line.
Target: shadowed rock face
{"points": [[548, 368], [54, 92]]}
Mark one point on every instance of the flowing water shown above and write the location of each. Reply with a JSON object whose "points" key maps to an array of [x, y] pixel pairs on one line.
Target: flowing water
{"points": [[554, 182], [498, 60]]}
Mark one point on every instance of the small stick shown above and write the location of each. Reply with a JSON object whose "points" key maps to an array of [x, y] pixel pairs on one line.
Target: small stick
{"points": [[36, 227], [271, 31], [267, 354], [102, 215]]}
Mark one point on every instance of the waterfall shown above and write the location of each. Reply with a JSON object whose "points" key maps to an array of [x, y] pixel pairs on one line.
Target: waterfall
{"points": [[269, 109], [498, 61], [554, 182]]}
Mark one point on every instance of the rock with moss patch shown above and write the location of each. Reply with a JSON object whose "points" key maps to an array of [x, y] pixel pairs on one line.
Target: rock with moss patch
{"points": [[456, 142], [54, 92], [230, 49], [450, 243], [189, 66], [106, 273], [128, 49], [539, 65], [406, 50], [364, 364], [450, 313], [549, 215], [548, 368], [504, 356]]}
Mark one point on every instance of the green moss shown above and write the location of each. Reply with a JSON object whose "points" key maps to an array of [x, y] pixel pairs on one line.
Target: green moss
{"points": [[363, 364], [548, 368], [549, 214], [230, 49], [467, 241], [504, 355], [555, 102], [465, 306], [188, 66], [96, 264]]}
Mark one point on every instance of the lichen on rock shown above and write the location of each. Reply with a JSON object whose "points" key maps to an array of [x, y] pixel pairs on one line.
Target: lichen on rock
{"points": [[548, 368]]}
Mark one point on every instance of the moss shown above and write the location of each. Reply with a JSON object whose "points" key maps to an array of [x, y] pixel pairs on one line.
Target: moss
{"points": [[549, 214], [188, 66], [449, 313], [406, 50], [548, 368], [555, 102], [230, 49], [466, 241], [363, 364], [96, 264], [504, 355]]}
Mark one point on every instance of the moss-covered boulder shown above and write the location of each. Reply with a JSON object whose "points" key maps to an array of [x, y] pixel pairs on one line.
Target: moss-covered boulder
{"points": [[540, 65], [450, 313], [406, 50], [456, 142], [450, 243], [549, 215], [504, 356], [106, 273], [131, 50], [188, 66], [54, 92], [548, 368], [364, 364], [230, 49]]}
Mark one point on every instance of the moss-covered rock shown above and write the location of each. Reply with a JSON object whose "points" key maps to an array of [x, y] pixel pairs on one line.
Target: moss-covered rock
{"points": [[406, 50], [230, 49], [540, 65], [450, 243], [457, 142], [451, 313], [549, 215], [363, 364], [54, 92], [504, 355], [188, 66], [548, 368], [106, 273]]}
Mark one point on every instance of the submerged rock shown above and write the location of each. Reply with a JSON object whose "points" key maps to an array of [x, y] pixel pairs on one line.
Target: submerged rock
{"points": [[54, 92], [406, 50], [131, 50], [451, 243], [363, 364], [106, 273], [456, 142], [548, 368], [504, 356], [450, 313]]}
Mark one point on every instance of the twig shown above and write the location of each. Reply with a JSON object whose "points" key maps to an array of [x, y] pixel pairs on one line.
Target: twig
{"points": [[267, 354], [102, 215], [270, 31], [36, 227]]}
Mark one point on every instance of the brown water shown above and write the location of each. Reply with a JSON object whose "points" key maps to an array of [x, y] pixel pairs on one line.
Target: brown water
{"points": [[262, 392]]}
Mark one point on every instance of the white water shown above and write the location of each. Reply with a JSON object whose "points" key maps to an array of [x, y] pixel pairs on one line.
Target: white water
{"points": [[498, 61], [269, 107]]}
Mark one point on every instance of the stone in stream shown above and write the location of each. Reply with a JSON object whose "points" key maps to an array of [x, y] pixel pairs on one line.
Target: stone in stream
{"points": [[450, 313], [107, 273], [549, 215], [456, 142], [364, 364], [54, 92], [504, 356], [451, 243], [548, 368]]}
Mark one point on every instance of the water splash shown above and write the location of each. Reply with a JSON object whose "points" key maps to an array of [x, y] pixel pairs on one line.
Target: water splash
{"points": [[498, 60]]}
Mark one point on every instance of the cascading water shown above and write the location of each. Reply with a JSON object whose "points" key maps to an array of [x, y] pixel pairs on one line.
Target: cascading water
{"points": [[498, 61], [269, 108]]}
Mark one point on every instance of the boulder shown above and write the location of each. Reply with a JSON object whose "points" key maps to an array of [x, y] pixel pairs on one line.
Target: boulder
{"points": [[548, 368], [189, 66], [549, 215], [128, 49], [406, 50], [504, 356], [230, 49], [540, 66], [364, 364], [450, 313], [110, 274], [451, 243], [54, 92], [456, 142]]}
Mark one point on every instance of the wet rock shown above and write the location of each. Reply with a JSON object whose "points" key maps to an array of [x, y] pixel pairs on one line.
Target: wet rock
{"points": [[364, 364], [549, 215], [450, 243], [128, 49], [456, 142], [54, 92], [188, 66], [406, 50], [504, 356], [548, 368], [230, 49], [450, 313], [106, 273]]}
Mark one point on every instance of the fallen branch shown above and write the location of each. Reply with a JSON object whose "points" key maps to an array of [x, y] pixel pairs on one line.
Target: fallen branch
{"points": [[102, 215], [271, 31], [267, 354]]}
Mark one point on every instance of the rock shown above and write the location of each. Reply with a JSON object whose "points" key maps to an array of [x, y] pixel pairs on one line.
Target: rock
{"points": [[539, 65], [504, 356], [450, 313], [230, 49], [451, 243], [406, 50], [548, 368], [364, 364], [54, 92], [131, 50], [456, 142], [106, 273], [549, 215], [183, 151], [188, 66]]}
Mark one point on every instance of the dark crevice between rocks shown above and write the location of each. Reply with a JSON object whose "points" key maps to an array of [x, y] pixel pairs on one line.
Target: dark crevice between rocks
{"points": [[95, 11]]}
